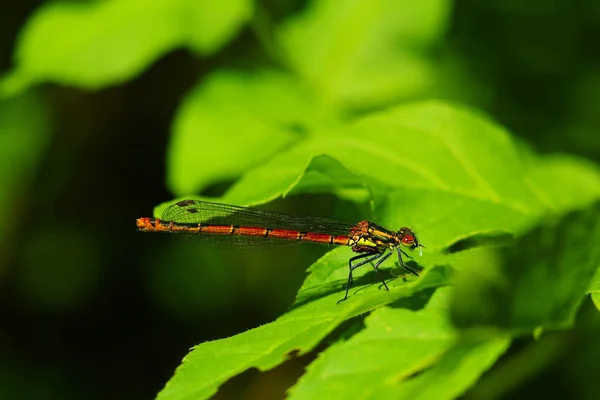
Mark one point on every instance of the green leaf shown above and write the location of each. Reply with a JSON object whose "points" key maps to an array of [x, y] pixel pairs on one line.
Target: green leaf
{"points": [[445, 171], [92, 45], [540, 282], [235, 116], [314, 315], [362, 53], [396, 343], [402, 354], [209, 25], [326, 174], [583, 186], [453, 374]]}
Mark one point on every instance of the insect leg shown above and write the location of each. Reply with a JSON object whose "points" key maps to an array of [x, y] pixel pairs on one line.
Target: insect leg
{"points": [[378, 263], [402, 262], [369, 257]]}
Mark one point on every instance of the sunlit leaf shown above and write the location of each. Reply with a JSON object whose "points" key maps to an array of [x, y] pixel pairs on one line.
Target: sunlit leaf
{"points": [[95, 44], [313, 317], [233, 121], [400, 354], [435, 168], [361, 53], [451, 175]]}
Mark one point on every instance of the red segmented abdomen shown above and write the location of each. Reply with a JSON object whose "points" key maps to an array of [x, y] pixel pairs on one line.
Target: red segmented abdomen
{"points": [[325, 238], [307, 236], [157, 225]]}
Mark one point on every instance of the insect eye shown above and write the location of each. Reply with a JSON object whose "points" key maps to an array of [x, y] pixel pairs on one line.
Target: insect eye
{"points": [[408, 240]]}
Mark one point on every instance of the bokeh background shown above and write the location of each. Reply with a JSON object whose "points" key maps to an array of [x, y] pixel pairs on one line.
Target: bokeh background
{"points": [[89, 308]]}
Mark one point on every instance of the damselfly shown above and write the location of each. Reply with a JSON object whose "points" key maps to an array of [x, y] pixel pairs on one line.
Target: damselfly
{"points": [[244, 227]]}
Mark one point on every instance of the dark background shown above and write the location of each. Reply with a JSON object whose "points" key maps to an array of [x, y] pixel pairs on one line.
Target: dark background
{"points": [[89, 308]]}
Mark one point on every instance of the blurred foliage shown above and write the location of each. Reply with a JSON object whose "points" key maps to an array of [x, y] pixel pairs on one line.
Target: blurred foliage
{"points": [[69, 274], [107, 42], [558, 260], [358, 109], [24, 137]]}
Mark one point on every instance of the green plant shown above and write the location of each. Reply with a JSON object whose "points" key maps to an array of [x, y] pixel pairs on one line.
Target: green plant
{"points": [[459, 179], [300, 125]]}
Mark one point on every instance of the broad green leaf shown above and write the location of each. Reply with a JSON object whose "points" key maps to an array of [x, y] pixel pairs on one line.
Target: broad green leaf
{"points": [[401, 354], [395, 344], [362, 53], [211, 24], [453, 374], [95, 44], [314, 315], [234, 121], [583, 186], [326, 174], [541, 281], [445, 171]]}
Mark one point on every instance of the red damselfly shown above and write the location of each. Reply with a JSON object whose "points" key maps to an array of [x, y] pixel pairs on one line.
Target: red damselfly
{"points": [[244, 227]]}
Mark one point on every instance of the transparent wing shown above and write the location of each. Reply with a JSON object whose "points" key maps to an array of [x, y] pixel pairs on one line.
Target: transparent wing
{"points": [[207, 213]]}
